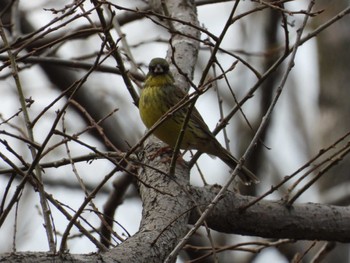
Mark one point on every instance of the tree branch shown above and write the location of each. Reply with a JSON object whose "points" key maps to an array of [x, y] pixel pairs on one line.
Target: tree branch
{"points": [[273, 219], [166, 204], [165, 218]]}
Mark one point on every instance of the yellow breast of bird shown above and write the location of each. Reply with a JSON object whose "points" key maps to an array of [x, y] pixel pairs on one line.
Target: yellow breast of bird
{"points": [[155, 102]]}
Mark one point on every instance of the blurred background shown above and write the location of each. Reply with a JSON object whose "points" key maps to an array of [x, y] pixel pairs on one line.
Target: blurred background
{"points": [[56, 44]]}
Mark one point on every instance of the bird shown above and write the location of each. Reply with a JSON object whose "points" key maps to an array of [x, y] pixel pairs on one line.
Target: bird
{"points": [[159, 95]]}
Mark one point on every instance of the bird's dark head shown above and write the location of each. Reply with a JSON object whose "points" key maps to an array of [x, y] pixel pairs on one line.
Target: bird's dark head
{"points": [[158, 66]]}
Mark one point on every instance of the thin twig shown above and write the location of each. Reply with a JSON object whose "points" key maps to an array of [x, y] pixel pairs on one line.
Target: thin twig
{"points": [[218, 197], [43, 202]]}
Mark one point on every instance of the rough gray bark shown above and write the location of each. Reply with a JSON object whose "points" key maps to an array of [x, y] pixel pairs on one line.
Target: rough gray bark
{"points": [[169, 205], [166, 209], [309, 221]]}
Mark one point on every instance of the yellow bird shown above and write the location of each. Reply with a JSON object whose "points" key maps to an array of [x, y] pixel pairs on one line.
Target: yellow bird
{"points": [[158, 96]]}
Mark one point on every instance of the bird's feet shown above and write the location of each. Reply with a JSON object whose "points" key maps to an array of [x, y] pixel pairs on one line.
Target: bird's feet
{"points": [[165, 154]]}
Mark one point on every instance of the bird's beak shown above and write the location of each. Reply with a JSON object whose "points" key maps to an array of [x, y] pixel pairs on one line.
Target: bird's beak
{"points": [[158, 69]]}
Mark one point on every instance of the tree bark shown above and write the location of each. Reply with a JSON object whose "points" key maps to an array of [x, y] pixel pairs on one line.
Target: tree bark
{"points": [[169, 205]]}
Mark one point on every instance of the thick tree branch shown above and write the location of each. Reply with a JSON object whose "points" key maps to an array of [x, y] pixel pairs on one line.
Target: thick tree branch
{"points": [[167, 202], [166, 206], [272, 219], [170, 203]]}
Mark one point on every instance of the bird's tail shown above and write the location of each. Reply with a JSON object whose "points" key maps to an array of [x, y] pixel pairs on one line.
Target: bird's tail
{"points": [[244, 174]]}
